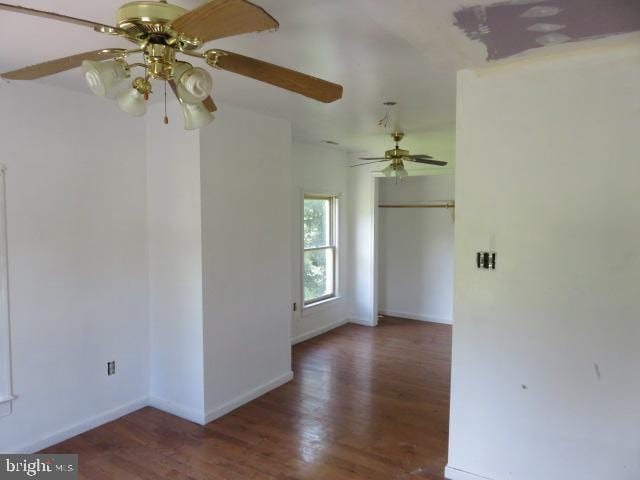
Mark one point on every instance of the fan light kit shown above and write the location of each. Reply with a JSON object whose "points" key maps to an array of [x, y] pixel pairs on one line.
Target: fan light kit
{"points": [[161, 31], [397, 157]]}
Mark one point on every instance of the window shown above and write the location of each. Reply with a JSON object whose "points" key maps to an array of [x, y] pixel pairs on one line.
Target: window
{"points": [[320, 248]]}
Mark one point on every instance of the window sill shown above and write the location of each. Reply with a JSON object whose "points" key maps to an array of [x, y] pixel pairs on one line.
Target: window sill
{"points": [[319, 306]]}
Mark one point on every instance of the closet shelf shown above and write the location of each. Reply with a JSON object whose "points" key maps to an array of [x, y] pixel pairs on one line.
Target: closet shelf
{"points": [[429, 205]]}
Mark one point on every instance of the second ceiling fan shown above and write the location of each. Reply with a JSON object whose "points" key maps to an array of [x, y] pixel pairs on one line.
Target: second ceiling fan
{"points": [[161, 31], [397, 157]]}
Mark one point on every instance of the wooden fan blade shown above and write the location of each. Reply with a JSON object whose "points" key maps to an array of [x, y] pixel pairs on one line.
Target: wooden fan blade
{"points": [[291, 80], [174, 87], [428, 157], [100, 27], [374, 158], [427, 161], [369, 163], [61, 64], [208, 102], [224, 18]]}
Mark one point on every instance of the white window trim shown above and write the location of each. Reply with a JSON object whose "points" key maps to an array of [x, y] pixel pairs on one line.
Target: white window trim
{"points": [[319, 306], [6, 392], [323, 303]]}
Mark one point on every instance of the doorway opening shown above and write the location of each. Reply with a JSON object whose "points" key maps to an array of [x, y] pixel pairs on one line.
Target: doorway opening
{"points": [[415, 232]]}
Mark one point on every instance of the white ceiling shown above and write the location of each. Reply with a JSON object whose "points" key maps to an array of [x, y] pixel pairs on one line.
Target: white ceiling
{"points": [[402, 50]]}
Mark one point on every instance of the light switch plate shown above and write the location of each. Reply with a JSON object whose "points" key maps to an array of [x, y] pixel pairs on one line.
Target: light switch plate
{"points": [[486, 260]]}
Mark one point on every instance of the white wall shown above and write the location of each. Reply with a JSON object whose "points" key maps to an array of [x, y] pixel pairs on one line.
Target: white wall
{"points": [[175, 265], [416, 249], [108, 243], [545, 354], [362, 244], [325, 170], [246, 167], [77, 235]]}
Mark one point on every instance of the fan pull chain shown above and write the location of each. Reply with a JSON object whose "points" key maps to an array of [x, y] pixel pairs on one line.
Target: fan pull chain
{"points": [[146, 77], [166, 118]]}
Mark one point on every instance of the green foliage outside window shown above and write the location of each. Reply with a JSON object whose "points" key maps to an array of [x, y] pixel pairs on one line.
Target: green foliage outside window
{"points": [[318, 264], [315, 275]]}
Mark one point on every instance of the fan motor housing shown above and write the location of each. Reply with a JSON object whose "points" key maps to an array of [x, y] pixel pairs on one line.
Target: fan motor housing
{"points": [[397, 153], [143, 18]]}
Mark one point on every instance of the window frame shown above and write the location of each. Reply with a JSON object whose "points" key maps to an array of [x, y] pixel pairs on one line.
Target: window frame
{"points": [[333, 245]]}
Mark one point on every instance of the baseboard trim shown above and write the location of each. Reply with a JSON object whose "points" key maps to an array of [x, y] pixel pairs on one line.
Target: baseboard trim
{"points": [[84, 426], [247, 397], [186, 413], [451, 473], [360, 321], [415, 316], [155, 402], [318, 331]]}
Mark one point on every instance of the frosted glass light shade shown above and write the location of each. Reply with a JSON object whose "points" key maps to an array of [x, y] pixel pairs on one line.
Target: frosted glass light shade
{"points": [[132, 102], [194, 85], [388, 171], [196, 116], [402, 173], [102, 77]]}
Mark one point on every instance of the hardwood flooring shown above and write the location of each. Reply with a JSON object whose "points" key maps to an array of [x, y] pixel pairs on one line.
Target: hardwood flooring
{"points": [[366, 403]]}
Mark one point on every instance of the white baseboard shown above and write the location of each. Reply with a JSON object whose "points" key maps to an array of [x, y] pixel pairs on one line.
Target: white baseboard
{"points": [[416, 316], [363, 322], [451, 473], [155, 402], [247, 397], [84, 426], [318, 331], [186, 413]]}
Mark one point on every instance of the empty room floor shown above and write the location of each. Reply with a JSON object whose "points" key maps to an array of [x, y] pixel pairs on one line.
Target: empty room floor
{"points": [[366, 403]]}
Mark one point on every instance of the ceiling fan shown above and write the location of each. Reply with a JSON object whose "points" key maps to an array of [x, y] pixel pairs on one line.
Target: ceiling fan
{"points": [[398, 156], [161, 31]]}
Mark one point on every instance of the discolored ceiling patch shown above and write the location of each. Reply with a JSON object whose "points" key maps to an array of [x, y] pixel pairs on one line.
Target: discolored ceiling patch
{"points": [[515, 26]]}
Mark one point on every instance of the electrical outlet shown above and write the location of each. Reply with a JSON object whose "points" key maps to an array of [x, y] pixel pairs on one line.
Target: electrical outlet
{"points": [[111, 368]]}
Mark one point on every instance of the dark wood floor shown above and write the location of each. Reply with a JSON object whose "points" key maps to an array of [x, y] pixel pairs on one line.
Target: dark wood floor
{"points": [[366, 403]]}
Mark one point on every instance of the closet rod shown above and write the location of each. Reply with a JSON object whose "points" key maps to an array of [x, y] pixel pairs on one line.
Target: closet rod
{"points": [[447, 205]]}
